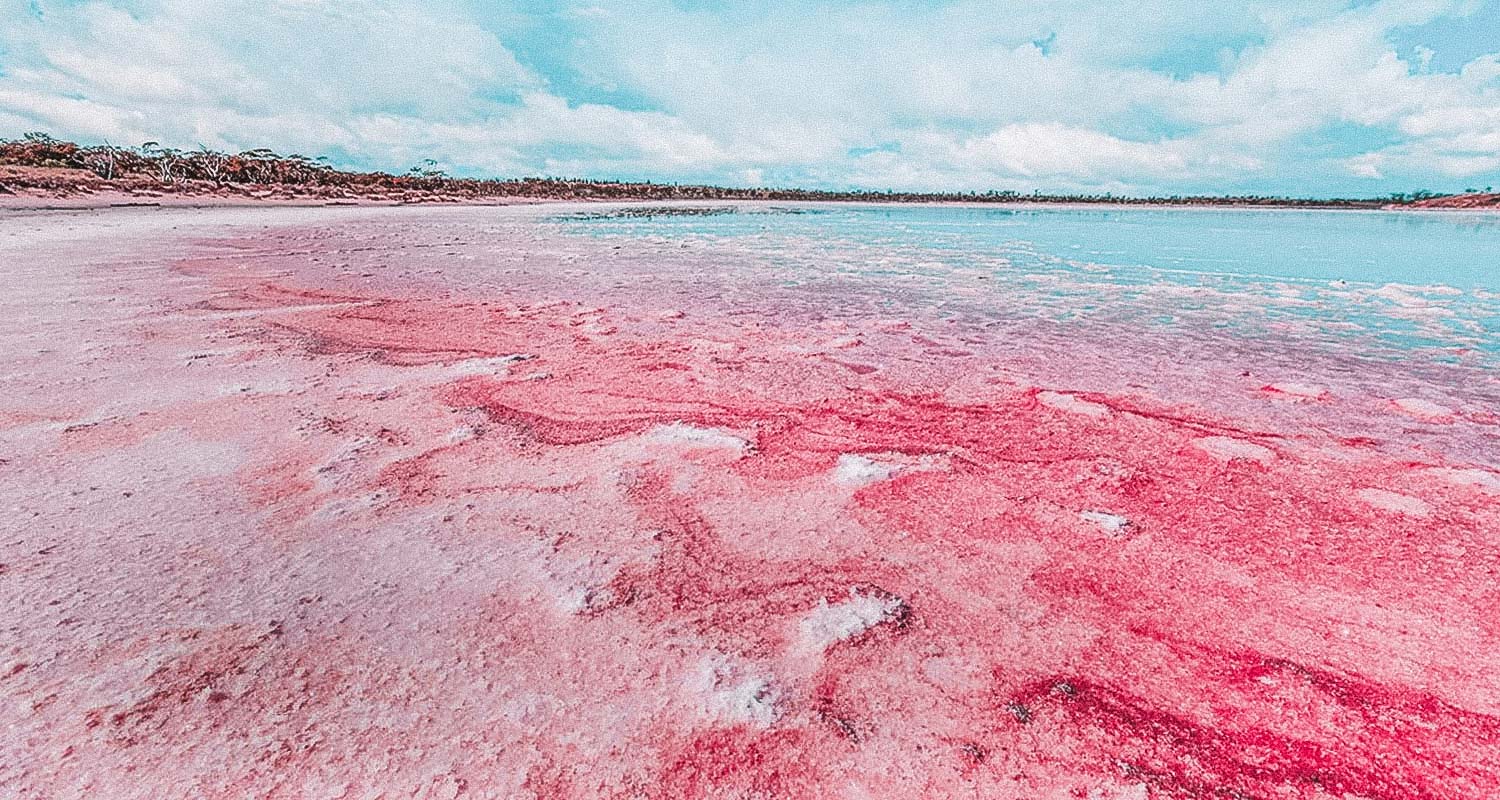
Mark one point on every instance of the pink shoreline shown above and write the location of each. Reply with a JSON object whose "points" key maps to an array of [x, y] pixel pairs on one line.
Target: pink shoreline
{"points": [[98, 201], [103, 201], [393, 502]]}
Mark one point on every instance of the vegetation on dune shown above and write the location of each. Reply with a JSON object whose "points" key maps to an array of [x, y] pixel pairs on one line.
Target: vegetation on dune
{"points": [[37, 161]]}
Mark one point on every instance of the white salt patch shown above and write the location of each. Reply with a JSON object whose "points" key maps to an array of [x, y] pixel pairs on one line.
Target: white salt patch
{"points": [[731, 694], [1229, 449], [1408, 297], [279, 310], [1480, 478], [573, 600], [462, 433], [1300, 389], [1425, 409], [752, 700], [1397, 295], [857, 470], [1391, 501], [1068, 402], [1112, 524], [681, 433], [829, 624], [486, 366]]}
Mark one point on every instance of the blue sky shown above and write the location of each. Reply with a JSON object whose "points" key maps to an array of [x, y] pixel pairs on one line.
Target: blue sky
{"points": [[1311, 97]]}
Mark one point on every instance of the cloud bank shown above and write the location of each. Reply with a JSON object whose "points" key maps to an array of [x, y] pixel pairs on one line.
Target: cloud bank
{"points": [[1306, 97]]}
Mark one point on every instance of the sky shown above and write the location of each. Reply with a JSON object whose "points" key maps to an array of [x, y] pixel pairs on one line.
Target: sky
{"points": [[1305, 97]]}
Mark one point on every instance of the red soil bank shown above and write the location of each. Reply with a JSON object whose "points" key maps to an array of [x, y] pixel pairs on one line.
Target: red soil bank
{"points": [[1468, 201], [511, 539]]}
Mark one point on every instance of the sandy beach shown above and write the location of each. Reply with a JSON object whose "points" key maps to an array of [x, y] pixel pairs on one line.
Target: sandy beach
{"points": [[441, 502]]}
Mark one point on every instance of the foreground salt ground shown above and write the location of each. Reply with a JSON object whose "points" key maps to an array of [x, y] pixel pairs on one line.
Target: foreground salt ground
{"points": [[433, 502]]}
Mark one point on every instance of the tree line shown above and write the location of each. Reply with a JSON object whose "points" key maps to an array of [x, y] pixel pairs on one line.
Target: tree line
{"points": [[169, 169]]}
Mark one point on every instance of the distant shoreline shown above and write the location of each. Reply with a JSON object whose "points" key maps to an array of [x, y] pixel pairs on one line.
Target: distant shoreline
{"points": [[65, 188], [113, 200], [40, 168]]}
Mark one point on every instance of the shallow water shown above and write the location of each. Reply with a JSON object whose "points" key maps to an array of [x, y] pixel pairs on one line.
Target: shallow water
{"points": [[1460, 250], [1396, 281]]}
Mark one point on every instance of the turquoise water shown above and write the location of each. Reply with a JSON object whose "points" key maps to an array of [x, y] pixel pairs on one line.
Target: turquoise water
{"points": [[1460, 250], [1400, 282]]}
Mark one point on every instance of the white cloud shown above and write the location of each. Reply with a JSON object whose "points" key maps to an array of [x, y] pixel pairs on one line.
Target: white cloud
{"points": [[1366, 165], [1079, 94], [1050, 148], [965, 97]]}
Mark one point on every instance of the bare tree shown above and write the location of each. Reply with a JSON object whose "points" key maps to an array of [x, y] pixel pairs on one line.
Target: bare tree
{"points": [[165, 159], [102, 160], [211, 162]]}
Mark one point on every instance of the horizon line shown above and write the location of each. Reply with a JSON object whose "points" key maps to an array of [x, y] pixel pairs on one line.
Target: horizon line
{"points": [[427, 172]]}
